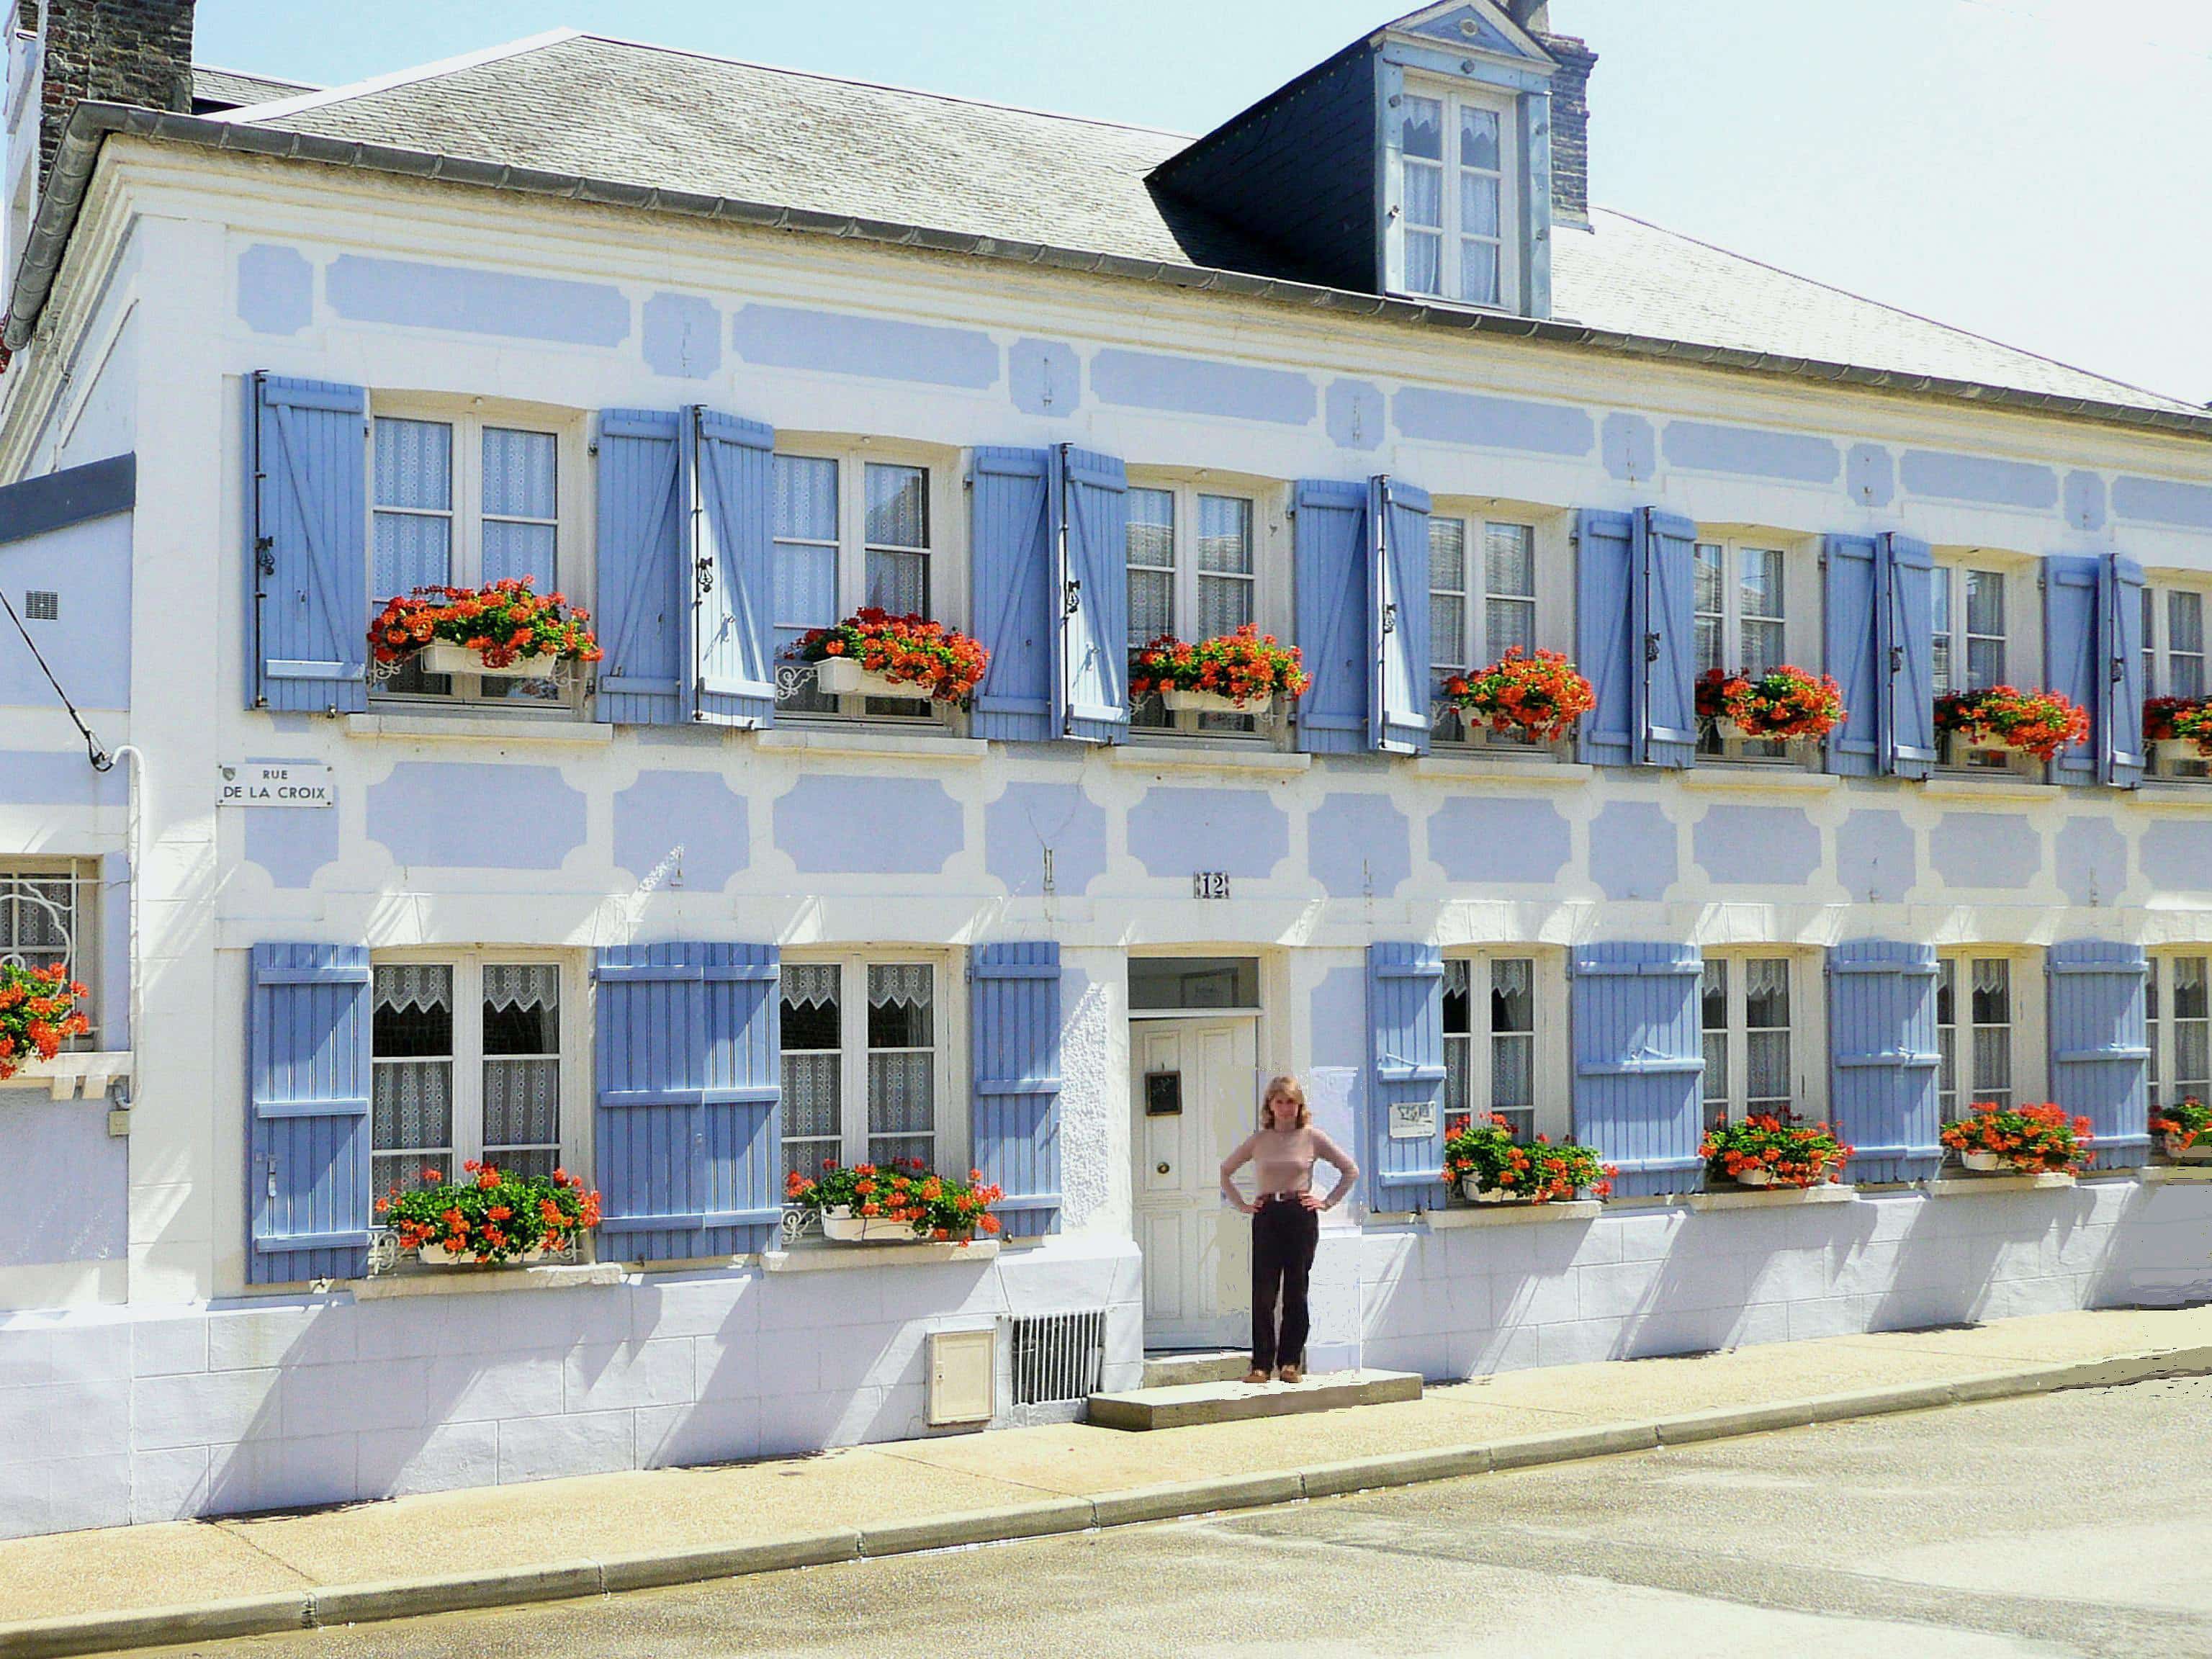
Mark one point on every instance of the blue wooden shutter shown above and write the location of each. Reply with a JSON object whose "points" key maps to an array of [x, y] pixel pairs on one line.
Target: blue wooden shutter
{"points": [[733, 570], [1329, 536], [308, 1144], [1854, 573], [1015, 1119], [1908, 646], [1405, 1073], [2072, 659], [1092, 682], [1398, 695], [2099, 1046], [1667, 613], [644, 573], [2120, 740], [308, 577], [1604, 630], [691, 1132], [1882, 1036], [1015, 579], [1639, 1063]]}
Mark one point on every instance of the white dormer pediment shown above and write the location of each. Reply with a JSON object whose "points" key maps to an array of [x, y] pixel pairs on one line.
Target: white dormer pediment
{"points": [[1473, 26]]}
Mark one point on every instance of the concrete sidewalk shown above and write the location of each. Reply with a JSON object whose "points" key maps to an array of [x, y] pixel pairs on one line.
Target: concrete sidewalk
{"points": [[97, 1591]]}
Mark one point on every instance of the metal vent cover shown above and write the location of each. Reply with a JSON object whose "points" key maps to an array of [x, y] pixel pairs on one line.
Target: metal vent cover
{"points": [[42, 605], [1057, 1357]]}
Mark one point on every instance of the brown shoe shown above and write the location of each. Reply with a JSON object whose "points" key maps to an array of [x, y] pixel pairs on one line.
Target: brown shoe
{"points": [[1255, 1376], [1289, 1373]]}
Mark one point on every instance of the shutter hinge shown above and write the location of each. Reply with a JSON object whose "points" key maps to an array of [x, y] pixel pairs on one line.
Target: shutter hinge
{"points": [[273, 1177], [1072, 600], [1390, 617], [265, 556], [2119, 670], [705, 568], [1651, 647], [592, 447], [1896, 659]]}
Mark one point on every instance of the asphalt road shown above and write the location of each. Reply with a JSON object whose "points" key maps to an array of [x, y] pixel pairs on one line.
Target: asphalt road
{"points": [[2072, 1524]]}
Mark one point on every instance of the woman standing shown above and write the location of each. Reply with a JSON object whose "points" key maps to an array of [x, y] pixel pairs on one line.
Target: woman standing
{"points": [[1286, 1220]]}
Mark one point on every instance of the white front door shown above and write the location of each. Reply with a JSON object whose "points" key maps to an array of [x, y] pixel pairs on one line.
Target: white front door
{"points": [[1197, 1250]]}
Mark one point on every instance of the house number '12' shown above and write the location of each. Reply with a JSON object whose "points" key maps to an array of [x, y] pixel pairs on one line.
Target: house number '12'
{"points": [[1210, 885]]}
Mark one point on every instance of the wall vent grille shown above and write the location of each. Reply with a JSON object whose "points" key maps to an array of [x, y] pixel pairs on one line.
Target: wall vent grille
{"points": [[42, 605], [1058, 1356]]}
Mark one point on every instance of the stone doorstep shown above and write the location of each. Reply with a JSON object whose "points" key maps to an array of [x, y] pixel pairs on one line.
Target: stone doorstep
{"points": [[1182, 1404], [1166, 1370]]}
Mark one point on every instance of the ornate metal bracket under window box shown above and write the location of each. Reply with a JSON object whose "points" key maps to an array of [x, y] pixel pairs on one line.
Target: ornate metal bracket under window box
{"points": [[385, 1257], [439, 657], [841, 676], [73, 1075]]}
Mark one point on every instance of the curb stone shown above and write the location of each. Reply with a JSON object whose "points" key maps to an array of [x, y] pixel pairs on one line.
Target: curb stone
{"points": [[261, 1615]]}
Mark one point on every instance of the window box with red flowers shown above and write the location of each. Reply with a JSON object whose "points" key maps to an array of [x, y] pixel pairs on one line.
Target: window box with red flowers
{"points": [[1487, 1163], [2179, 728], [1783, 705], [2019, 1140], [1239, 673], [490, 1219], [504, 630], [874, 654], [902, 1202], [2003, 717], [2185, 1130], [39, 1010], [1767, 1151], [1537, 694]]}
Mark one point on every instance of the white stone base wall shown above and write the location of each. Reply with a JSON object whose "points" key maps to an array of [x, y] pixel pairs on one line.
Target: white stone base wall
{"points": [[112, 1415], [1454, 1303]]}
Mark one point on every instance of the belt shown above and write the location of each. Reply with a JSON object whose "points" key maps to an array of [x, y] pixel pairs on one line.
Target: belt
{"points": [[1278, 1198]]}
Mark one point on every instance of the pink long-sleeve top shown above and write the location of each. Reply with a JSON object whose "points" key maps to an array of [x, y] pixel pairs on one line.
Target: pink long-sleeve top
{"points": [[1283, 1160]]}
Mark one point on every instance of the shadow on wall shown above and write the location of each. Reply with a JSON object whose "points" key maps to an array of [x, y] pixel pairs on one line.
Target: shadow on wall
{"points": [[1638, 1284]]}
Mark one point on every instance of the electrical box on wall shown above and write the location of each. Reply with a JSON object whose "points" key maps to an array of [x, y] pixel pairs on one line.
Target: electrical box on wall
{"points": [[963, 1376]]}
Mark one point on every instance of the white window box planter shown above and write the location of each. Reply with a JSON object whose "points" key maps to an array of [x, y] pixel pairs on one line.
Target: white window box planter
{"points": [[442, 657], [71, 1073], [2198, 1151], [437, 1255], [2171, 749], [1178, 700], [841, 1226], [1755, 1178], [1998, 1163], [841, 676]]}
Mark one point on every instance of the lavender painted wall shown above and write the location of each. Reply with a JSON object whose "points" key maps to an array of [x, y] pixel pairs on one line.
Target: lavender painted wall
{"points": [[2177, 855], [292, 843], [1757, 846], [1950, 478], [1870, 475], [1631, 447], [681, 336], [2161, 501], [784, 337], [1358, 845], [1985, 849], [830, 824], [1877, 857], [1790, 456], [681, 829], [444, 814], [1029, 819], [1357, 418], [87, 566], [1632, 851], [1045, 378], [1460, 417], [1176, 831], [59, 777], [2093, 861], [410, 294], [62, 1181], [276, 290], [1478, 838], [1197, 386]]}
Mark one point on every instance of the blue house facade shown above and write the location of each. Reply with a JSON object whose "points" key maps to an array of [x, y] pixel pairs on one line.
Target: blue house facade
{"points": [[1362, 369]]}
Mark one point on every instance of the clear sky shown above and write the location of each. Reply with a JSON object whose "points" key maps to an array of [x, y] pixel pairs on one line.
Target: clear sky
{"points": [[2039, 171]]}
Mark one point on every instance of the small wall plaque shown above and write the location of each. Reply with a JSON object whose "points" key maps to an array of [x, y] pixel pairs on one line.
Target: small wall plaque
{"points": [[1412, 1120], [1210, 885], [274, 783], [1163, 1094]]}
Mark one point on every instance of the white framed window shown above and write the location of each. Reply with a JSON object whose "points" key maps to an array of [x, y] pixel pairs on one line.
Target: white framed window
{"points": [[2177, 1007], [2174, 662], [1194, 573], [1504, 1044], [1745, 623], [867, 1061], [1759, 1023], [477, 1055], [1460, 195], [857, 529], [49, 910], [1971, 638], [460, 499], [1977, 1032]]}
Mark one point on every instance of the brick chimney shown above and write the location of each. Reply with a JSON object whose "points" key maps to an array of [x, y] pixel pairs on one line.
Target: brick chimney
{"points": [[115, 52], [1570, 124]]}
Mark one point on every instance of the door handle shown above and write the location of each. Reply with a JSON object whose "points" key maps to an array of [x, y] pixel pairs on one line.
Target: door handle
{"points": [[1162, 1169]]}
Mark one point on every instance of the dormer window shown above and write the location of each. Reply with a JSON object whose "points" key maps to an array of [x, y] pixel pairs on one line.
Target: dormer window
{"points": [[1460, 197]]}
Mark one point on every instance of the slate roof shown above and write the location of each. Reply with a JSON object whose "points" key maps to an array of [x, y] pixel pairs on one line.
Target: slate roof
{"points": [[658, 117], [216, 89]]}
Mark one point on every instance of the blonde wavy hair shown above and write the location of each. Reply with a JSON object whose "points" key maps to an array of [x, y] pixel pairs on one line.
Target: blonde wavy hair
{"points": [[1285, 1088]]}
